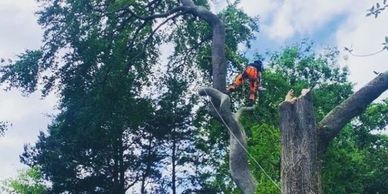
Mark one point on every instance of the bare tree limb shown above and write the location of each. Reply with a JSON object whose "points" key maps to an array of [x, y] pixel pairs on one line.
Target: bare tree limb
{"points": [[242, 110], [238, 158], [336, 119], [218, 42]]}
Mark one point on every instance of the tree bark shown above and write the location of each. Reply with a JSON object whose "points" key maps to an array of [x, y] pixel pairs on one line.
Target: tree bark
{"points": [[148, 167], [304, 142], [238, 159], [300, 168], [173, 163]]}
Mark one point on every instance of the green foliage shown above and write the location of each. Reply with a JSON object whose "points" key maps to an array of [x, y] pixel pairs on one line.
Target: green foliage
{"points": [[125, 120], [121, 123], [295, 67], [264, 145], [28, 181], [239, 29], [23, 73], [356, 160], [344, 165]]}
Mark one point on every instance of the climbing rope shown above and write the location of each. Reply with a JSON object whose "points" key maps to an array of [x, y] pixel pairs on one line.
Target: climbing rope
{"points": [[230, 131]]}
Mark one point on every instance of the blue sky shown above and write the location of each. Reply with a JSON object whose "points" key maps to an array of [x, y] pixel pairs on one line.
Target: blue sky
{"points": [[328, 23]]}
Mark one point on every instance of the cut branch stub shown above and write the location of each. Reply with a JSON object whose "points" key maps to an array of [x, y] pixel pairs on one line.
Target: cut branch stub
{"points": [[238, 158], [299, 164]]}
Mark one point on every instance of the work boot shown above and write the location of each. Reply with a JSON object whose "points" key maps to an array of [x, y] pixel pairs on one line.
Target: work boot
{"points": [[231, 88], [251, 102]]}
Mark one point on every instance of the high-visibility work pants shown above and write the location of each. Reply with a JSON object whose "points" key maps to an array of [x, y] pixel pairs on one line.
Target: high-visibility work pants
{"points": [[252, 75]]}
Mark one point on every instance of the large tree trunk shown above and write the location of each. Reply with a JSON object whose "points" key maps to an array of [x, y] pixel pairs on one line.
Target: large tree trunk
{"points": [[304, 141], [300, 168]]}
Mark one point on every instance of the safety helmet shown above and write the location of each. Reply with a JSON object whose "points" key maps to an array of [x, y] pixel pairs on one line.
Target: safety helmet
{"points": [[258, 64]]}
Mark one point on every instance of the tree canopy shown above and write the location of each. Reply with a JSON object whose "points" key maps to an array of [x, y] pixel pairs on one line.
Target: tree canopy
{"points": [[131, 120]]}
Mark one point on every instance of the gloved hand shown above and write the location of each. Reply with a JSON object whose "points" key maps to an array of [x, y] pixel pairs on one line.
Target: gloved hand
{"points": [[260, 88]]}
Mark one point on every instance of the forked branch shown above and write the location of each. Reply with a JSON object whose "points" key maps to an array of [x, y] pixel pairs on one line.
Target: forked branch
{"points": [[238, 158]]}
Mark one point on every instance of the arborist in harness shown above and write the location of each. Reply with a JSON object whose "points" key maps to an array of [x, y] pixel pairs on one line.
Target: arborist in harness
{"points": [[253, 73]]}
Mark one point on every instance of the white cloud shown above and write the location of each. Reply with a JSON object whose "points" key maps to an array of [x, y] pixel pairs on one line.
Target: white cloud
{"points": [[28, 116], [19, 31], [217, 5], [262, 8], [284, 19], [364, 35]]}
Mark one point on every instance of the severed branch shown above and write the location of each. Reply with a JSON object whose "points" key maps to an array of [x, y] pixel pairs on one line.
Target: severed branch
{"points": [[242, 110], [337, 118], [238, 158]]}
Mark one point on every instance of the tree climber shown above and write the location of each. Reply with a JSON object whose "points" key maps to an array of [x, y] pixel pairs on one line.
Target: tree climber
{"points": [[253, 73]]}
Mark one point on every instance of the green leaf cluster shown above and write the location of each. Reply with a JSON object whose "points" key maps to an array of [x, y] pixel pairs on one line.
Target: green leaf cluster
{"points": [[28, 181]]}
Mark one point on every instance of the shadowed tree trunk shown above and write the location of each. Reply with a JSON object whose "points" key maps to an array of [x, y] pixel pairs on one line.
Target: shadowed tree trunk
{"points": [[304, 142], [173, 163], [299, 158]]}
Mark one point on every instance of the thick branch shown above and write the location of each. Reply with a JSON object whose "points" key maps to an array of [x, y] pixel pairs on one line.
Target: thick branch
{"points": [[223, 99], [242, 110], [336, 119], [238, 159], [218, 43]]}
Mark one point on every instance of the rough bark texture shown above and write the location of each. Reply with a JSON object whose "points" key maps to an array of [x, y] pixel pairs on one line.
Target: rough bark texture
{"points": [[336, 119], [238, 159], [299, 161]]}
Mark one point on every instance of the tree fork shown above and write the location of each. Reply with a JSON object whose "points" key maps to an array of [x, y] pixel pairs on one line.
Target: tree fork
{"points": [[238, 158]]}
